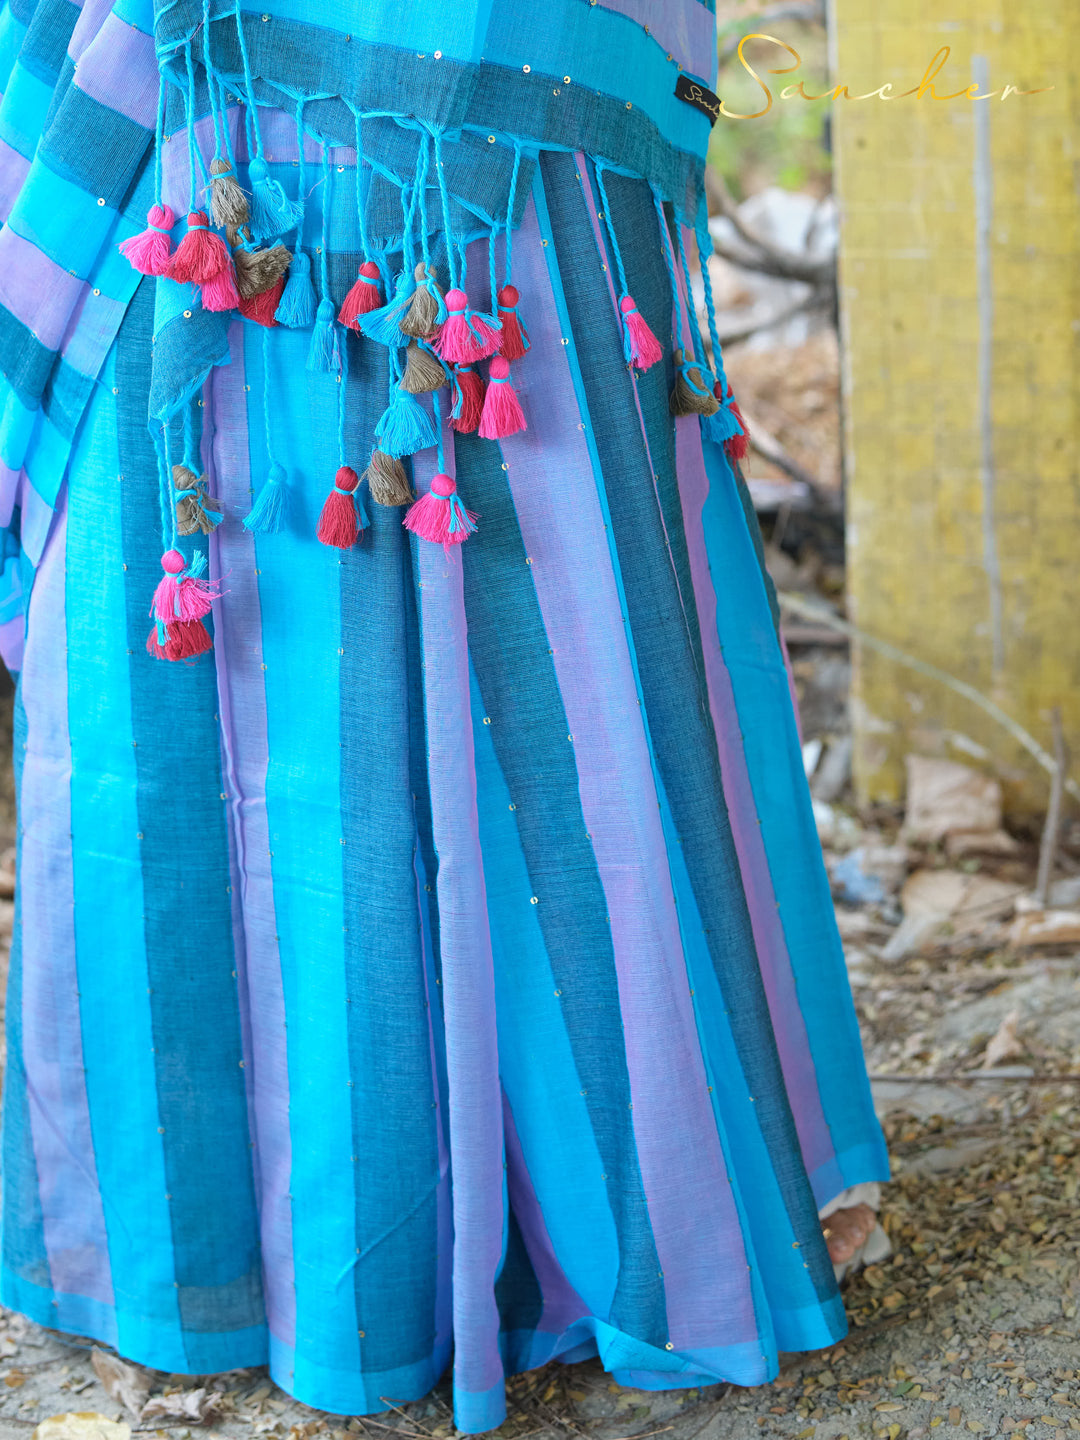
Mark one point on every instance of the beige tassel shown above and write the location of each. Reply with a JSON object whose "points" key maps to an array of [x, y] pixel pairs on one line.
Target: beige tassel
{"points": [[691, 396], [228, 203], [387, 481], [422, 317], [257, 270], [424, 372], [191, 510]]}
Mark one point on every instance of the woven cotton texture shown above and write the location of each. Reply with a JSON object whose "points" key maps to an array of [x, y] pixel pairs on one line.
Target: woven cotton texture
{"points": [[445, 963]]}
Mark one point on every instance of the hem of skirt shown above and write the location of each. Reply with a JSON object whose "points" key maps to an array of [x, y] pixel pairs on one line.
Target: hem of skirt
{"points": [[856, 1166], [152, 1341]]}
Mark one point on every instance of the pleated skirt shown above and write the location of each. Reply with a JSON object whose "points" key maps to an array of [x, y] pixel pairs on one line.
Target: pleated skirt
{"points": [[444, 967]]}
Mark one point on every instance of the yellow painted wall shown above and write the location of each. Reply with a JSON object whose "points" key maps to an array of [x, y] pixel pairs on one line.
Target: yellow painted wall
{"points": [[941, 477]]}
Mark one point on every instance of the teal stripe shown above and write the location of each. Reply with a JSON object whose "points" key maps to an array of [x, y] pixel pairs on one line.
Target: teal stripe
{"points": [[118, 1042]]}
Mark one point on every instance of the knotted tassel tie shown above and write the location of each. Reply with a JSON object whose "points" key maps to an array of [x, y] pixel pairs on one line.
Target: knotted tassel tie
{"points": [[515, 338], [383, 324], [466, 335], [325, 353], [427, 309], [727, 427], [196, 511], [272, 212], [692, 393], [297, 306], [150, 251], [640, 346], [502, 414], [343, 517], [439, 515], [181, 600]]}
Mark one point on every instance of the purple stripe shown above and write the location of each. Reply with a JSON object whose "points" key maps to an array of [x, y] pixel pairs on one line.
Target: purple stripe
{"points": [[88, 25], [37, 291], [74, 1221], [35, 520], [694, 1221], [119, 69], [11, 643], [245, 756], [563, 1306], [800, 1076], [10, 481], [468, 983], [683, 27], [14, 169]]}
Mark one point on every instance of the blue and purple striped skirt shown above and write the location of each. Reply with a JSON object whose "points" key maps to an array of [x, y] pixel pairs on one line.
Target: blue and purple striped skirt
{"points": [[445, 965]]}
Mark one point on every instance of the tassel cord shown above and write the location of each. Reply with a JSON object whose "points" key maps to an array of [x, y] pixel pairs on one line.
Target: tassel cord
{"points": [[301, 174], [510, 215], [705, 250], [159, 136], [195, 160], [324, 269], [444, 194], [624, 287], [266, 394], [691, 307], [252, 118], [192, 455], [361, 207], [211, 81], [492, 281]]}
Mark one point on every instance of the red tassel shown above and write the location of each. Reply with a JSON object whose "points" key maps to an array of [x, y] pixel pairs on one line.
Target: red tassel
{"points": [[220, 292], [337, 523], [150, 251], [261, 307], [468, 401], [737, 446], [640, 345], [200, 255], [363, 297], [515, 338], [439, 516], [180, 602], [465, 336], [502, 411]]}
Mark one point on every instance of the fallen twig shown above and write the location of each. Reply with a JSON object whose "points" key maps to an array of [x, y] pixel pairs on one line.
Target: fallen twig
{"points": [[809, 611], [769, 448], [1052, 829]]}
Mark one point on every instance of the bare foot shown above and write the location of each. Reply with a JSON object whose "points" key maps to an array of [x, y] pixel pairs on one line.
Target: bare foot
{"points": [[847, 1230]]}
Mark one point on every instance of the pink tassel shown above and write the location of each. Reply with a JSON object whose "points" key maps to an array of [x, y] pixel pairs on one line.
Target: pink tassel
{"points": [[515, 338], [640, 345], [200, 255], [502, 411], [150, 251], [262, 307], [338, 523], [468, 400], [363, 297], [180, 602], [439, 516], [465, 336], [220, 292]]}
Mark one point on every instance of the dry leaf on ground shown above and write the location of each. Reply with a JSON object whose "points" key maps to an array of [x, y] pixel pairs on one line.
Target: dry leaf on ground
{"points": [[82, 1425], [1006, 1044], [944, 796], [128, 1384], [183, 1405]]}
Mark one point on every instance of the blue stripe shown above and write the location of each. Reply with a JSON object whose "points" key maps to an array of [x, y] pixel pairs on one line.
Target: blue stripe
{"points": [[26, 104], [22, 1246]]}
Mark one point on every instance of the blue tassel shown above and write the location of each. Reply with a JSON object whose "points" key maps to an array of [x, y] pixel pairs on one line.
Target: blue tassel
{"points": [[270, 511], [272, 212], [722, 426], [324, 353], [405, 426], [383, 324], [362, 519], [296, 308]]}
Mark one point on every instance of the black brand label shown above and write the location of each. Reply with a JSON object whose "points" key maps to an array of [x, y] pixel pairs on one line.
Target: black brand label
{"points": [[698, 95]]}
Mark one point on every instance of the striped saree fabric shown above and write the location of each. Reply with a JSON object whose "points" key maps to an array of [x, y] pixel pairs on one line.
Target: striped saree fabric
{"points": [[442, 968]]}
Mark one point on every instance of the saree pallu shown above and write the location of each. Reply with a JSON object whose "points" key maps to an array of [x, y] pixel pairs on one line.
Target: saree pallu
{"points": [[444, 965]]}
